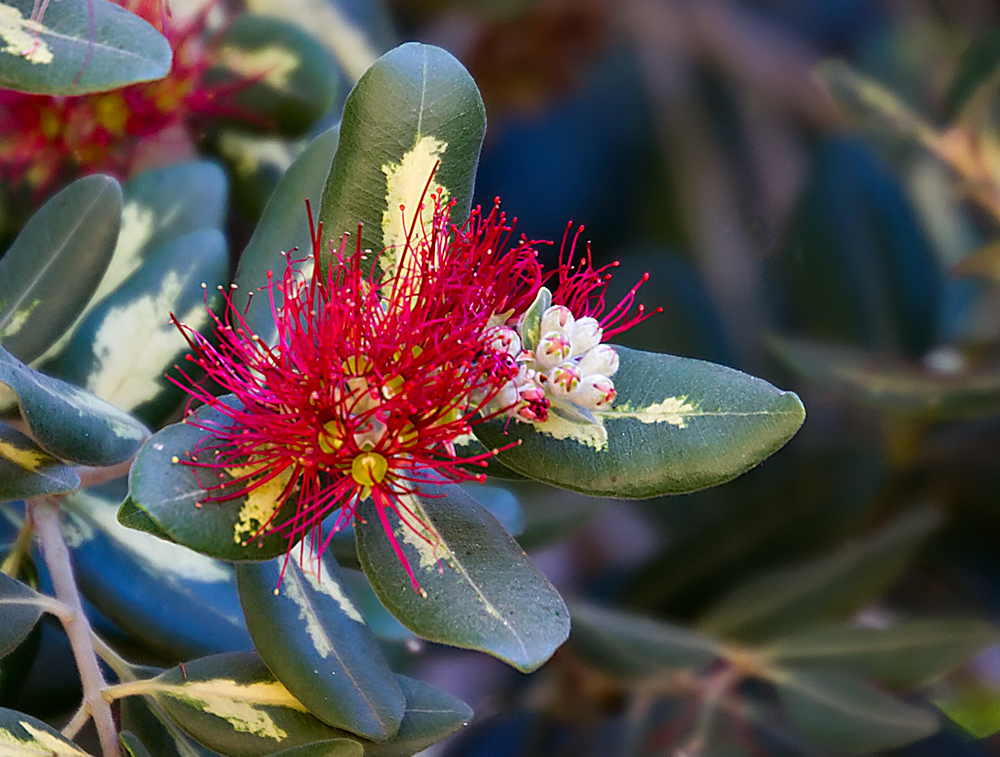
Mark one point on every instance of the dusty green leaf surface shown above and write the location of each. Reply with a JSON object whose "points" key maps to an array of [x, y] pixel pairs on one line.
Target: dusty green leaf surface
{"points": [[26, 470], [415, 108], [124, 348], [841, 711], [629, 645], [233, 704], [177, 602], [310, 631], [53, 267], [891, 385], [67, 421], [24, 736], [20, 610], [60, 53], [904, 655], [283, 226], [184, 504], [482, 591], [797, 597], [677, 425]]}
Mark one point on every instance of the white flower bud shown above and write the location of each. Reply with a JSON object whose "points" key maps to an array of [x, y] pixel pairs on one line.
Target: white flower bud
{"points": [[601, 360], [503, 339], [563, 379], [553, 348], [594, 392], [557, 318], [587, 333]]}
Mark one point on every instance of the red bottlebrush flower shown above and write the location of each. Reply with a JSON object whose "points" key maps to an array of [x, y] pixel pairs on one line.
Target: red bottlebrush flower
{"points": [[46, 139], [372, 379]]}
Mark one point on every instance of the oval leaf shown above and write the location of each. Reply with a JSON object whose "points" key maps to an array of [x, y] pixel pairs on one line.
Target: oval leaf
{"points": [[53, 267], [68, 422], [482, 591], [283, 79], [175, 497], [144, 717], [822, 590], [160, 205], [678, 425], [26, 470], [233, 704], [133, 746], [414, 107], [177, 602], [313, 637], [33, 738], [20, 609], [124, 347], [841, 711], [630, 645], [283, 226], [892, 385], [904, 655], [334, 748], [78, 46]]}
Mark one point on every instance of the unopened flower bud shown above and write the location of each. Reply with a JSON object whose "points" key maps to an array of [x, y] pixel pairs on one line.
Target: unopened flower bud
{"points": [[594, 392], [557, 318], [587, 333], [564, 379], [602, 360], [504, 340], [553, 349]]}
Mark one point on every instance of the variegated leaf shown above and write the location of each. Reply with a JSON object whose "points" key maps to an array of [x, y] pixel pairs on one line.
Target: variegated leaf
{"points": [[76, 47], [677, 425]]}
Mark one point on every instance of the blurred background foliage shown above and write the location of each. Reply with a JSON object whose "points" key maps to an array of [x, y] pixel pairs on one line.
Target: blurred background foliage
{"points": [[814, 189]]}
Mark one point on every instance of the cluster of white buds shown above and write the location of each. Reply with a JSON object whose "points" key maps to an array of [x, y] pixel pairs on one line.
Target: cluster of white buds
{"points": [[568, 372]]}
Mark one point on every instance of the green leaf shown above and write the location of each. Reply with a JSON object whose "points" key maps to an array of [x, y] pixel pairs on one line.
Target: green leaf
{"points": [[972, 704], [233, 704], [160, 205], [677, 425], [33, 738], [78, 46], [383, 624], [482, 591], [905, 655], [176, 602], [144, 717], [177, 497], [26, 470], [283, 226], [131, 515], [872, 104], [977, 66], [825, 589], [630, 645], [313, 637], [333, 748], [68, 422], [415, 106], [132, 745], [841, 711], [284, 79], [53, 267], [892, 385], [124, 347], [20, 609]]}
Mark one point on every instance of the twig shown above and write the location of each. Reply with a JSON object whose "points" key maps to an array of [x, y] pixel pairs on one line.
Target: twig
{"points": [[97, 476], [44, 512], [114, 660], [132, 688], [77, 722]]}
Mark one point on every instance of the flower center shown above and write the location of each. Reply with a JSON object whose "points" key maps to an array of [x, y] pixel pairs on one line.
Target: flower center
{"points": [[369, 468]]}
